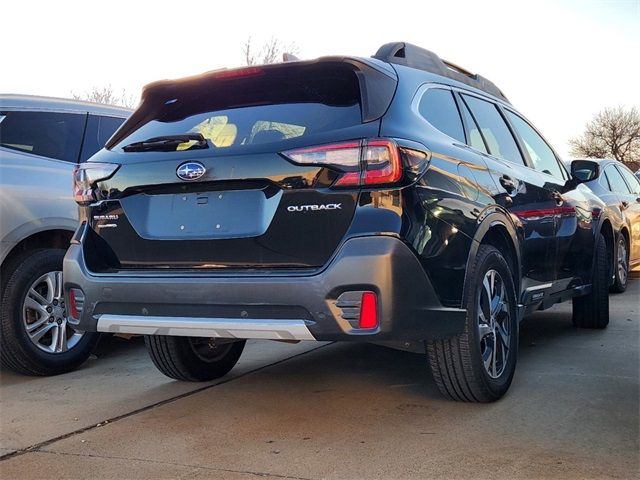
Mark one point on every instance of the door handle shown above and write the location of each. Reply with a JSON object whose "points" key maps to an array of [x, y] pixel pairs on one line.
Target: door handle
{"points": [[624, 205], [508, 184]]}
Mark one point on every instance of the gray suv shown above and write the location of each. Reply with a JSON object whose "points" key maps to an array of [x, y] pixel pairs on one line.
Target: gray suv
{"points": [[41, 141]]}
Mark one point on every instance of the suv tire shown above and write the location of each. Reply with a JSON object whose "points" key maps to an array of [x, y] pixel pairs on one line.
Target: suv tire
{"points": [[468, 367], [592, 310], [192, 359], [18, 351], [621, 266]]}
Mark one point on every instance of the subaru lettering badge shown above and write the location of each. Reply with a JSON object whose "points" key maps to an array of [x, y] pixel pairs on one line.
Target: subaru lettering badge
{"points": [[190, 171]]}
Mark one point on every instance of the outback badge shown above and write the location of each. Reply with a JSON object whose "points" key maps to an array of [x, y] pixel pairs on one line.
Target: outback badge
{"points": [[190, 171]]}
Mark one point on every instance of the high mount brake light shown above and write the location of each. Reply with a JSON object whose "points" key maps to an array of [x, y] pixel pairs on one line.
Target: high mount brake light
{"points": [[363, 162], [238, 73], [84, 178]]}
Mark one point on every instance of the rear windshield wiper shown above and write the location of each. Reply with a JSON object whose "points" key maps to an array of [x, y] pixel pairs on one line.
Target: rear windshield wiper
{"points": [[168, 143]]}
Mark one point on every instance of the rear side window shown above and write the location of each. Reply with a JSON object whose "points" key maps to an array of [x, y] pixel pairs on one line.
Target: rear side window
{"points": [[616, 182], [48, 134], [632, 180], [262, 107], [494, 130], [543, 158], [99, 130], [439, 108]]}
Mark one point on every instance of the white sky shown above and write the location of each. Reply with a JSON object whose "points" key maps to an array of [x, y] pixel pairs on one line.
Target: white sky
{"points": [[558, 62]]}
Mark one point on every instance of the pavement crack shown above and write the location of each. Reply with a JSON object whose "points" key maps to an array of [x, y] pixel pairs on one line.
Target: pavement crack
{"points": [[46, 443], [174, 464]]}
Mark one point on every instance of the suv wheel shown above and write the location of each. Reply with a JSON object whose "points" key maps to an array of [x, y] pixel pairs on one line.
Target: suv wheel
{"points": [[478, 365], [621, 267], [592, 310], [36, 337], [193, 359]]}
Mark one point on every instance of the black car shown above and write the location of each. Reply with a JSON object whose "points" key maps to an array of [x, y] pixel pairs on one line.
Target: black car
{"points": [[617, 186], [396, 199]]}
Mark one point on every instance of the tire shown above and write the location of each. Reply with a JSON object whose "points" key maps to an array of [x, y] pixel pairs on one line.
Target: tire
{"points": [[458, 363], [592, 310], [621, 266], [52, 353], [192, 359]]}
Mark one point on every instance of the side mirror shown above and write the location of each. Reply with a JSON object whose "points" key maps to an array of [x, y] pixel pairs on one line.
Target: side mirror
{"points": [[584, 171]]}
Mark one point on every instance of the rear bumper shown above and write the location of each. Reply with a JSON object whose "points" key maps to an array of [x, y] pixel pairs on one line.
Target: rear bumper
{"points": [[315, 307]]}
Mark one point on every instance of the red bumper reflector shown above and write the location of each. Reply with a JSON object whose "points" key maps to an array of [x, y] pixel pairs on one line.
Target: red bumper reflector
{"points": [[73, 305], [368, 311]]}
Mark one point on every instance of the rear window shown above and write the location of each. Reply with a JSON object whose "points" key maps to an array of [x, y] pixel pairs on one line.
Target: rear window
{"points": [[234, 112], [48, 134]]}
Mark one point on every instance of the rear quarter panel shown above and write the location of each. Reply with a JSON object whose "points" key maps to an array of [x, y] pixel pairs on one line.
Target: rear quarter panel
{"points": [[35, 195]]}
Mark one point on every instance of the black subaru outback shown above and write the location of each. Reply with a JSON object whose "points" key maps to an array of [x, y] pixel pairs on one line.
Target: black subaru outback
{"points": [[396, 199]]}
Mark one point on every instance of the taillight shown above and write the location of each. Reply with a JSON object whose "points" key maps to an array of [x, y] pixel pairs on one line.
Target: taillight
{"points": [[361, 162], [86, 175]]}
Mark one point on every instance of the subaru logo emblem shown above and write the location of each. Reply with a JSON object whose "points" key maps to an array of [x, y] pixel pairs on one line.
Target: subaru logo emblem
{"points": [[190, 171]]}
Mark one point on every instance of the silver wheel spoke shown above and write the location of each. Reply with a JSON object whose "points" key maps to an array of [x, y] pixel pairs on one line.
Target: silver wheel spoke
{"points": [[37, 334], [61, 340], [37, 297], [485, 330], [31, 304], [504, 336], [37, 324], [50, 280], [58, 285], [494, 357]]}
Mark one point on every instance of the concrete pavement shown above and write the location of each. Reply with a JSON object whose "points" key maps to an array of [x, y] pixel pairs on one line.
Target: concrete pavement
{"points": [[339, 411]]}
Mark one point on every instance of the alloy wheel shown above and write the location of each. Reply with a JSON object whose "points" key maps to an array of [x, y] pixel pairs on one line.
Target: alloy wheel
{"points": [[494, 324], [44, 315], [622, 261]]}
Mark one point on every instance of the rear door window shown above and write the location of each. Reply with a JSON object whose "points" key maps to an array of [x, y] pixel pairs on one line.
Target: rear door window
{"points": [[632, 180], [494, 130], [473, 131], [99, 130], [541, 154], [48, 134], [438, 107], [616, 182]]}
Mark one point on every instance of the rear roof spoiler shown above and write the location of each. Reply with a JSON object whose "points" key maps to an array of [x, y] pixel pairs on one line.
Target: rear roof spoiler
{"points": [[402, 53], [377, 83]]}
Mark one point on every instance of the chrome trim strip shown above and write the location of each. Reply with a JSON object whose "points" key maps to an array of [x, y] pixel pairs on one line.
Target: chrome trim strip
{"points": [[539, 287], [269, 329]]}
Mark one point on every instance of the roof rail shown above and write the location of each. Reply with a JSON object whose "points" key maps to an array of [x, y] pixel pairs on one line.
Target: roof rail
{"points": [[409, 55]]}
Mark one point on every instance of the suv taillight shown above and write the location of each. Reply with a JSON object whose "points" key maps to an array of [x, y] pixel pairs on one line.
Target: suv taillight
{"points": [[362, 162], [86, 175]]}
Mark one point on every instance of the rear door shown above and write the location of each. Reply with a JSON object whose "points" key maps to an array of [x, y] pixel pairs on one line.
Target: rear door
{"points": [[522, 191], [235, 197], [630, 204], [38, 151]]}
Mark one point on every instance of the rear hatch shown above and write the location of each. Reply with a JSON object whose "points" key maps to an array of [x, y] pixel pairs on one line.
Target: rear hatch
{"points": [[205, 179]]}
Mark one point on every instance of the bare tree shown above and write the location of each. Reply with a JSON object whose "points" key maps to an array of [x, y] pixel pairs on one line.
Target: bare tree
{"points": [[613, 132], [107, 96], [270, 52]]}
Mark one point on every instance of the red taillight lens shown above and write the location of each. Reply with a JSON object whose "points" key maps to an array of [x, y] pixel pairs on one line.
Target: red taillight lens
{"points": [[363, 162], [86, 175], [368, 311], [381, 162]]}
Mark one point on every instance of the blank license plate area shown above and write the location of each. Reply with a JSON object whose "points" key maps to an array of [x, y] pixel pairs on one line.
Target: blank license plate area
{"points": [[208, 215]]}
